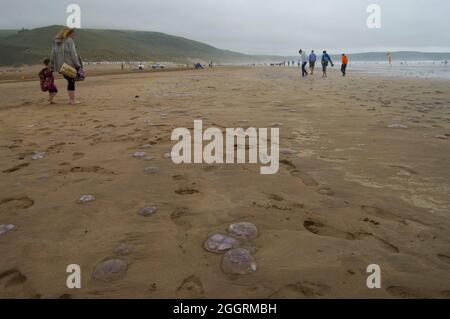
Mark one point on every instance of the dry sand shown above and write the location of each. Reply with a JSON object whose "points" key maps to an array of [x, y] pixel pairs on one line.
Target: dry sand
{"points": [[354, 193]]}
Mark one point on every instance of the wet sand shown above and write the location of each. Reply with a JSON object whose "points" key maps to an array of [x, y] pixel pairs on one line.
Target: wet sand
{"points": [[364, 179]]}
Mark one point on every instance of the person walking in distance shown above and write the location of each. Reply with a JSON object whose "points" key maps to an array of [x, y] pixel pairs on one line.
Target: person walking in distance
{"points": [[325, 60], [312, 61], [304, 60], [344, 64]]}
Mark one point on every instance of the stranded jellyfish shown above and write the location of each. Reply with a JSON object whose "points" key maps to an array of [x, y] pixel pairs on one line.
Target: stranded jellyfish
{"points": [[238, 262], [220, 243], [147, 211], [244, 230], [6, 228], [38, 155], [87, 198], [110, 270], [139, 154]]}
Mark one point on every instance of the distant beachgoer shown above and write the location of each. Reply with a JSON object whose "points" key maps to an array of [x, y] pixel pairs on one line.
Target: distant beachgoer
{"points": [[344, 64], [64, 51], [312, 61], [325, 60], [122, 66], [304, 60], [48, 81]]}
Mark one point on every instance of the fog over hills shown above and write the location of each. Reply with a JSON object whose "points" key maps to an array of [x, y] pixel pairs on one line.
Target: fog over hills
{"points": [[19, 47]]}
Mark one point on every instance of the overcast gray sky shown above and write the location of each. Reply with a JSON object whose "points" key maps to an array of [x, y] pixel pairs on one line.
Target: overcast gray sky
{"points": [[257, 26]]}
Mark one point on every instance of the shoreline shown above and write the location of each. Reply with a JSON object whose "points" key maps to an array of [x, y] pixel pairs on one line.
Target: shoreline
{"points": [[31, 74]]}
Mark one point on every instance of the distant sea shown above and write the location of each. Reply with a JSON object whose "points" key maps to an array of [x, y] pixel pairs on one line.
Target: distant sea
{"points": [[414, 69]]}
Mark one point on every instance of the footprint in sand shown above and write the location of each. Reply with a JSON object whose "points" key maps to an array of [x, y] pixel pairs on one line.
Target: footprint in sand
{"points": [[191, 287], [179, 178], [403, 292], [16, 168], [17, 203], [186, 191], [210, 168], [288, 164], [405, 169], [387, 215], [77, 156], [12, 278], [86, 169], [179, 217], [55, 147], [444, 258], [326, 191], [305, 178], [275, 197], [320, 228], [302, 289]]}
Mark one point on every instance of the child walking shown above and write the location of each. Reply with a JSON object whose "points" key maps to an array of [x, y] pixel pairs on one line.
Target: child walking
{"points": [[48, 81]]}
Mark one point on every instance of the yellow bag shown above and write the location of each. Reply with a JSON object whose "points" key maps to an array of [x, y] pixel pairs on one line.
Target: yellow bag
{"points": [[68, 71]]}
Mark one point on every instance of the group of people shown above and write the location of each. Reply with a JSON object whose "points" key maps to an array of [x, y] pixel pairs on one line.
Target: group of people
{"points": [[325, 61], [65, 59]]}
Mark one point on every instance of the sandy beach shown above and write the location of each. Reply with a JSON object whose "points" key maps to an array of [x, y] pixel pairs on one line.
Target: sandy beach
{"points": [[364, 179]]}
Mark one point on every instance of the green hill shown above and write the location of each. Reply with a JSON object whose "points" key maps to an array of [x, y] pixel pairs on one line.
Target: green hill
{"points": [[4, 33], [30, 46]]}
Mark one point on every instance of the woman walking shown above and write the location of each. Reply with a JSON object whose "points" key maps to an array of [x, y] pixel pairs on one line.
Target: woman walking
{"points": [[65, 57]]}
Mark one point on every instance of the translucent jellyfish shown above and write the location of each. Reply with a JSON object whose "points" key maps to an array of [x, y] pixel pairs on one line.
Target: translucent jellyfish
{"points": [[38, 155], [149, 158], [219, 243], [238, 261], [139, 154], [151, 170], [148, 211], [146, 146], [244, 230], [86, 198], [110, 270], [6, 228]]}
